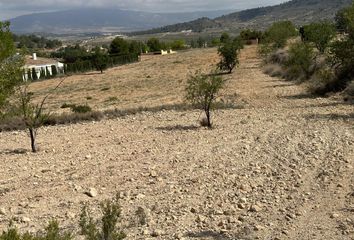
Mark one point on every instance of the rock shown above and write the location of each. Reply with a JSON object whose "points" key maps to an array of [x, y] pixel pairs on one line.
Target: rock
{"points": [[153, 173], [25, 219], [140, 196], [258, 228], [255, 208], [200, 219], [70, 215], [241, 206], [193, 210], [156, 233], [92, 192], [2, 211], [243, 200], [87, 157], [77, 188], [245, 188], [335, 215]]}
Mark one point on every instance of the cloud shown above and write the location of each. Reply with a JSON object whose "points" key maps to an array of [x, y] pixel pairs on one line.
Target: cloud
{"points": [[8, 6]]}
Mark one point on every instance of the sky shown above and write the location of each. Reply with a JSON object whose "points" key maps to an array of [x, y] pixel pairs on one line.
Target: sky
{"points": [[12, 8]]}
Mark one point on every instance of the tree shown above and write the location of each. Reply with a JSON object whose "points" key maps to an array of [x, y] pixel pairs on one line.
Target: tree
{"points": [[34, 74], [228, 52], [215, 42], [10, 65], [341, 22], [54, 70], [10, 77], [320, 34], [33, 115], [248, 34], [137, 47], [100, 60], [225, 37], [201, 42], [154, 45], [7, 47], [342, 51], [278, 34], [300, 59], [178, 44], [119, 46], [202, 90], [29, 74], [43, 74]]}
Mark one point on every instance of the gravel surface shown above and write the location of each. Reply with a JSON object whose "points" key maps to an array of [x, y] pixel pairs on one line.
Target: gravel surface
{"points": [[279, 168]]}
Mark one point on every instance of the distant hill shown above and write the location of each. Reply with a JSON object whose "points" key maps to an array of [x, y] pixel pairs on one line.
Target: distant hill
{"points": [[101, 20], [298, 11], [197, 25]]}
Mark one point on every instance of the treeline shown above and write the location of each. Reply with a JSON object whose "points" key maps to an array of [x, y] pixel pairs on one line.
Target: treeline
{"points": [[197, 25], [33, 42], [80, 59], [320, 54]]}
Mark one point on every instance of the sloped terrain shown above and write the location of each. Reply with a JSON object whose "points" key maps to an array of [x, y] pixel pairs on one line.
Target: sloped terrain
{"points": [[279, 168], [298, 11], [91, 20]]}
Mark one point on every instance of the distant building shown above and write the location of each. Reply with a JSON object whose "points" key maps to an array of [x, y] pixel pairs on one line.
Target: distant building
{"points": [[41, 66]]}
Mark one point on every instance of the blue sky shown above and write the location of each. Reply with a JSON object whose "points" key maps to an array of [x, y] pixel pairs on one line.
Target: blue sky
{"points": [[13, 8]]}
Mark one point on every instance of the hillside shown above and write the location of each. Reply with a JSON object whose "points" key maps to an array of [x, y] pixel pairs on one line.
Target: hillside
{"points": [[101, 20], [298, 11], [280, 166]]}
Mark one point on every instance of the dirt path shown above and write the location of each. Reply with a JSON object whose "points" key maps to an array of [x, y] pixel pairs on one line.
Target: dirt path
{"points": [[280, 168]]}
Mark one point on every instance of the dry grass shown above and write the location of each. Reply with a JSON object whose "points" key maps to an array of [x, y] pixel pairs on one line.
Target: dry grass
{"points": [[151, 82]]}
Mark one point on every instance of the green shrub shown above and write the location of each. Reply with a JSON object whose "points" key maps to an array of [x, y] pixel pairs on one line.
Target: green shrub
{"points": [[67, 105], [320, 34], [202, 91], [54, 70], [52, 232], [322, 82], [279, 56], [81, 108], [274, 70], [34, 74], [106, 227], [278, 34], [300, 61], [349, 91], [228, 51], [178, 45], [154, 45]]}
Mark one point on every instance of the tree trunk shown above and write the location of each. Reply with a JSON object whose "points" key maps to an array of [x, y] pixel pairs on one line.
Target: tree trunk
{"points": [[33, 140], [207, 113]]}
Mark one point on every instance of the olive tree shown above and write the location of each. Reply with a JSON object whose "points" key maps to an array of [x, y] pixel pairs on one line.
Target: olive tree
{"points": [[33, 115], [320, 34], [100, 60], [228, 52], [10, 65], [202, 90]]}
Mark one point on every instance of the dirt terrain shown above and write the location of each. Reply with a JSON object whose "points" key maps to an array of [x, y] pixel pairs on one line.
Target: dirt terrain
{"points": [[152, 82], [280, 167]]}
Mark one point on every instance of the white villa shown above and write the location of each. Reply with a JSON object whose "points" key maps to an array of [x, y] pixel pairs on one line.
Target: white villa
{"points": [[41, 66]]}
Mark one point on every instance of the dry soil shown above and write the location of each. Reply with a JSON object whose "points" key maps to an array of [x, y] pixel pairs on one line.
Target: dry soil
{"points": [[279, 168]]}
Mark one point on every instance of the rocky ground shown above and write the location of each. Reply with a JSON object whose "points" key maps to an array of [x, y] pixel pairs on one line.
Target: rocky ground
{"points": [[280, 167]]}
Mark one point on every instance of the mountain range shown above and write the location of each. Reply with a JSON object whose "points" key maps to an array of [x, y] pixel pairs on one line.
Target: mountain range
{"points": [[298, 11], [101, 20], [89, 20]]}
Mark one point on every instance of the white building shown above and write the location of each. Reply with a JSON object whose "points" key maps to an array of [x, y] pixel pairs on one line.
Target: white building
{"points": [[40, 66]]}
